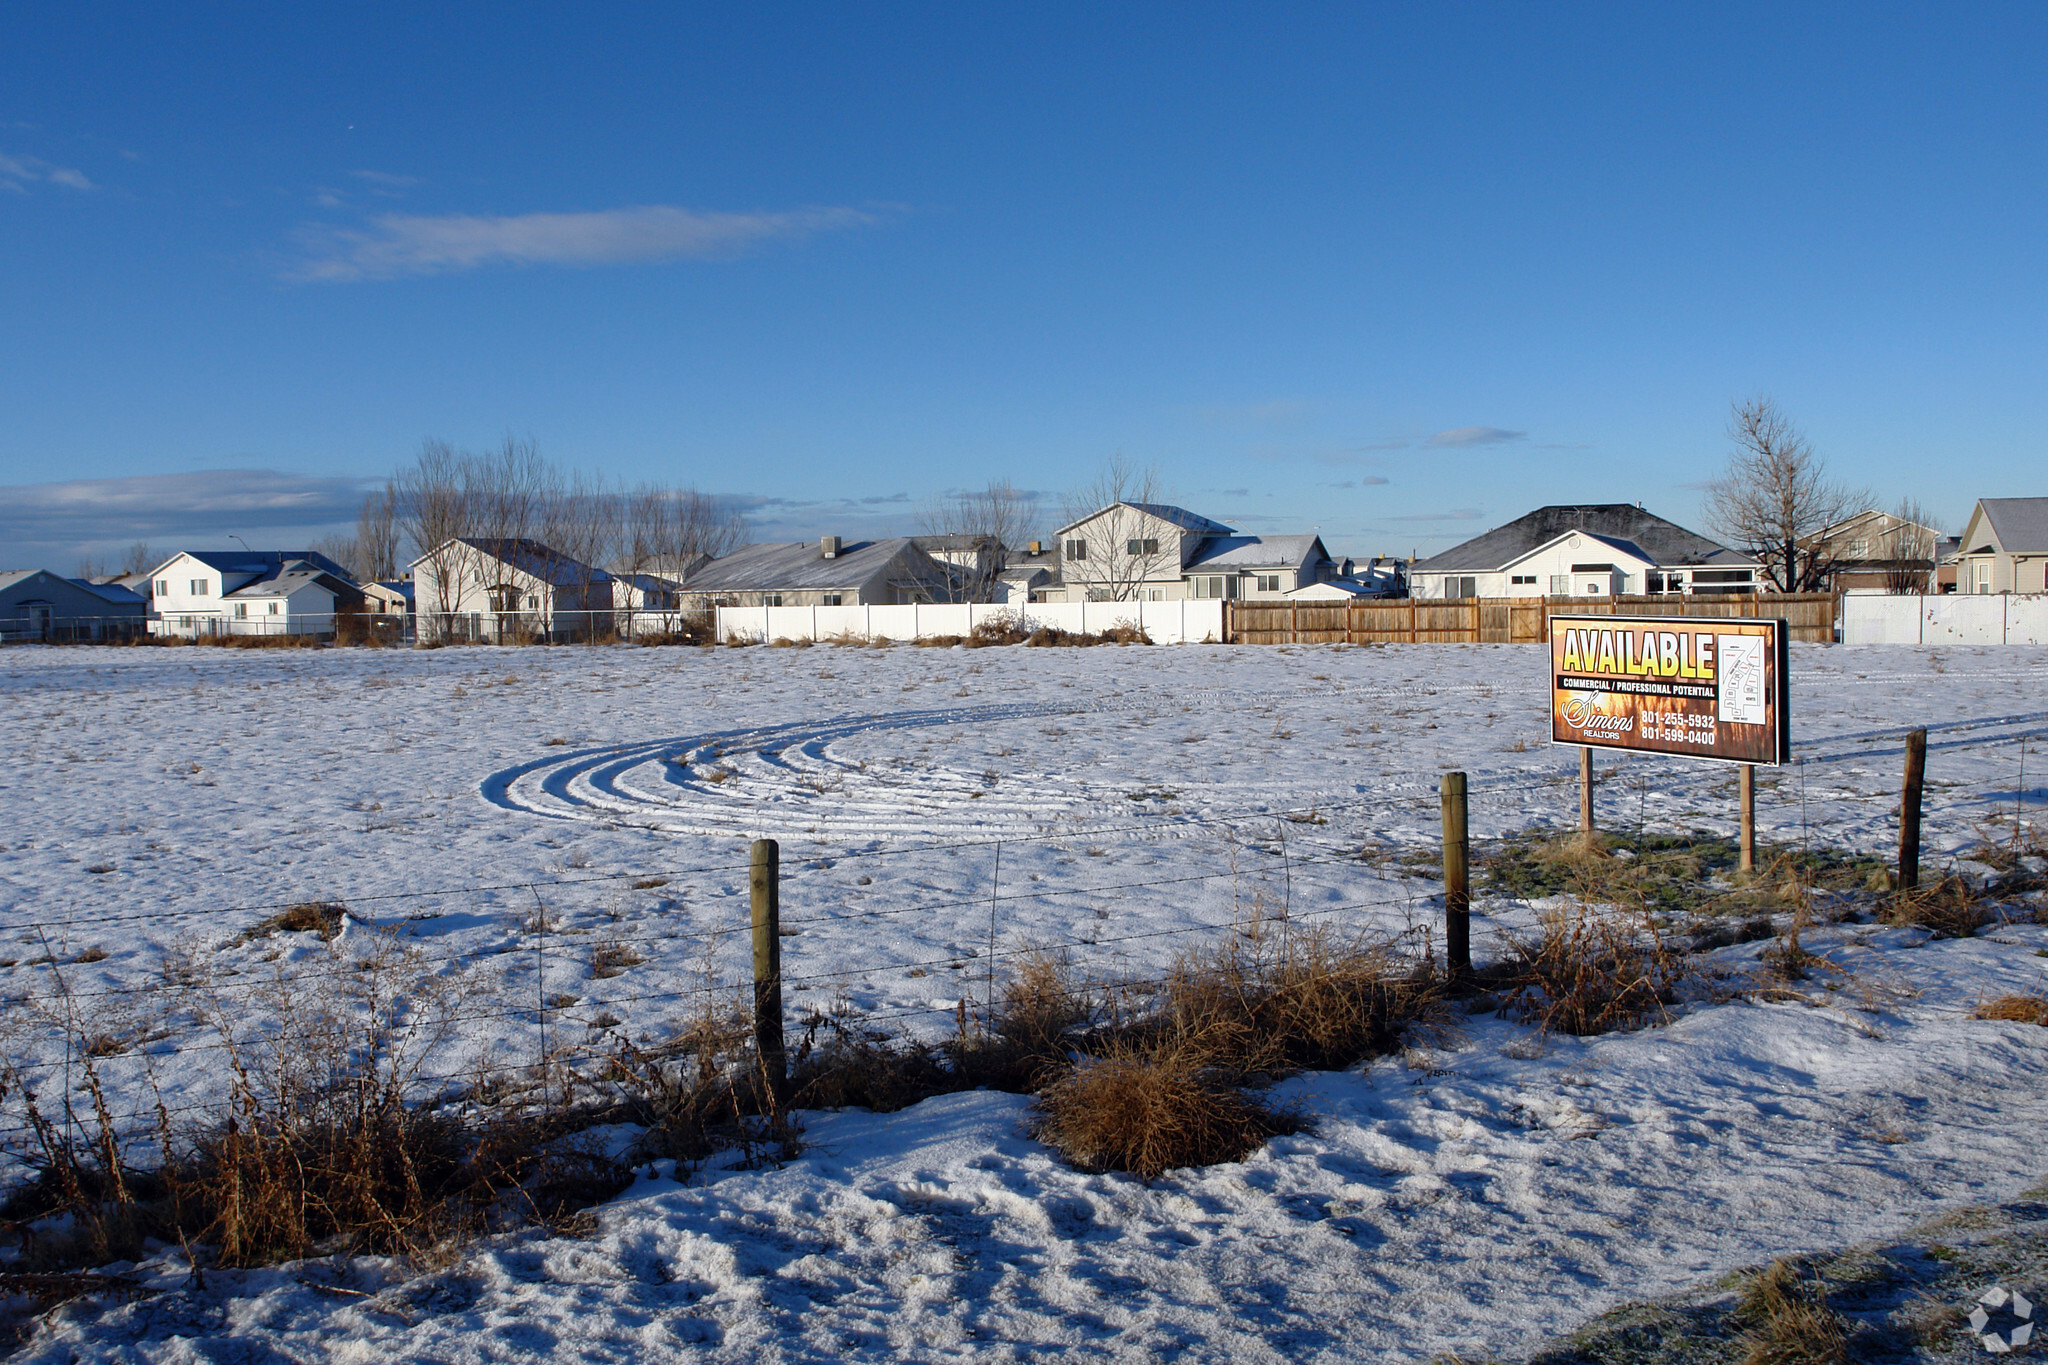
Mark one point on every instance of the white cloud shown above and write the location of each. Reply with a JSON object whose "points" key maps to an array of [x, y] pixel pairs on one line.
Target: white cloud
{"points": [[51, 522], [404, 244], [17, 173], [1475, 436]]}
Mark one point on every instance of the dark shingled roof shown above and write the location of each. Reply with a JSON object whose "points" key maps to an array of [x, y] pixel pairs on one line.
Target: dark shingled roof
{"points": [[2021, 523], [1664, 542]]}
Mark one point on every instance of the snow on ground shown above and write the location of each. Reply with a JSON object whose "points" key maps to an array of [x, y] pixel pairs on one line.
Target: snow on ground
{"points": [[1124, 801]]}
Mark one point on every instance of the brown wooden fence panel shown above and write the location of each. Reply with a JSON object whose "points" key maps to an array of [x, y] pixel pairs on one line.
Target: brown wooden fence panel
{"points": [[1519, 620]]}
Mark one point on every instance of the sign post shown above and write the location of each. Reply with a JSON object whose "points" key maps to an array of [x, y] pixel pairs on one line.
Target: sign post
{"points": [[1694, 687]]}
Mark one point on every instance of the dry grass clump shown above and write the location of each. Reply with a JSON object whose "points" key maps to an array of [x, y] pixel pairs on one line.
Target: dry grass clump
{"points": [[1271, 1000], [1151, 1108], [2015, 1009], [1595, 968], [612, 959], [1947, 908], [1793, 1323], [310, 917]]}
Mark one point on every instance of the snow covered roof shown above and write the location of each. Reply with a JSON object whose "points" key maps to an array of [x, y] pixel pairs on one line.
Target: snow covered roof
{"points": [[289, 577], [1647, 535], [798, 565], [9, 577], [264, 561], [1257, 552], [112, 592], [2020, 523], [1178, 516], [528, 556]]}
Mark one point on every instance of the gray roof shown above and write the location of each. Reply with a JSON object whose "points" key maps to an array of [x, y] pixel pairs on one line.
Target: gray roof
{"points": [[1179, 516], [112, 592], [530, 557], [2021, 523], [292, 575], [264, 561], [1257, 552], [9, 577], [797, 566], [1643, 533]]}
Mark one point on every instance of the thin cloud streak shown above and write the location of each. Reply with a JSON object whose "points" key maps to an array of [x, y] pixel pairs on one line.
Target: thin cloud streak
{"points": [[17, 173], [1475, 436], [396, 245]]}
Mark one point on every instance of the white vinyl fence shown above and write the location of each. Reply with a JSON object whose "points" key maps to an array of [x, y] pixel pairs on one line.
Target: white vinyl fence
{"points": [[1958, 619], [1167, 623]]}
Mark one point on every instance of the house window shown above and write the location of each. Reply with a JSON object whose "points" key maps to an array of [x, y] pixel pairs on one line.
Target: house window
{"points": [[834, 599], [532, 602], [1268, 582], [1560, 585], [1077, 549], [1859, 549], [273, 608], [241, 611], [1523, 580], [1457, 585], [773, 599], [163, 587], [1142, 547], [198, 586], [1212, 587]]}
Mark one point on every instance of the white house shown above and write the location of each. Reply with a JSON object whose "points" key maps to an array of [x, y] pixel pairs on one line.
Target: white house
{"points": [[487, 589], [1597, 550], [250, 592], [1152, 552], [2004, 547]]}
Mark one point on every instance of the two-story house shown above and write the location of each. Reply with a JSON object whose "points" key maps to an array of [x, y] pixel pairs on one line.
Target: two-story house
{"points": [[1153, 552], [250, 592]]}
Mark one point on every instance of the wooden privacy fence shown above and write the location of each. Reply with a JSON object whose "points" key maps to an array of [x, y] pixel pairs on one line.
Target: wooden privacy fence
{"points": [[1497, 620]]}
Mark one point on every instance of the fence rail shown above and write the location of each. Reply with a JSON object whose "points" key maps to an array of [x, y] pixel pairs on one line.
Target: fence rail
{"points": [[1499, 620]]}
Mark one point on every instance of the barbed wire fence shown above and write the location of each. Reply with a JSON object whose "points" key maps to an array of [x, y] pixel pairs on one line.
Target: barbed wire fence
{"points": [[500, 986]]}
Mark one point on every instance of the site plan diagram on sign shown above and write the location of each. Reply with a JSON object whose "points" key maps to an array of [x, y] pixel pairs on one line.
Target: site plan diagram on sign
{"points": [[1742, 678]]}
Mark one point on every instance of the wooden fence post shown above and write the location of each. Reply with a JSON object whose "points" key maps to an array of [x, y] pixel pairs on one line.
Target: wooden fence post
{"points": [[1457, 877], [1909, 811], [764, 889], [1586, 794], [1746, 862]]}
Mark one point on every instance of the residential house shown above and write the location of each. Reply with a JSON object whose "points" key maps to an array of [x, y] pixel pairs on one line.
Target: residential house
{"points": [[1253, 568], [2004, 547], [392, 597], [250, 592], [1876, 551], [1132, 551], [36, 604], [1596, 550], [1379, 577], [1157, 553], [474, 589], [829, 572]]}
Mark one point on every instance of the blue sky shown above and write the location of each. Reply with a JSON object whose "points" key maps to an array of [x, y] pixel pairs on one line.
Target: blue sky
{"points": [[1399, 272]]}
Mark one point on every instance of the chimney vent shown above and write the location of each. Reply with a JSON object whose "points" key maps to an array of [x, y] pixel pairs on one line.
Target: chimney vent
{"points": [[1038, 547], [829, 546]]}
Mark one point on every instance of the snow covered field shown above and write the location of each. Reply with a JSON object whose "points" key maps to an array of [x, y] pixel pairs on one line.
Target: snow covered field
{"points": [[932, 805]]}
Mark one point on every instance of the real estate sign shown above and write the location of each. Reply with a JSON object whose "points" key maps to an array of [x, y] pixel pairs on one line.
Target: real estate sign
{"points": [[1700, 687]]}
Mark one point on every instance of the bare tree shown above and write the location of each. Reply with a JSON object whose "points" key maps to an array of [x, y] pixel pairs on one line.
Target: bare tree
{"points": [[377, 536], [1910, 549], [1114, 553], [138, 558], [343, 550], [1775, 494], [973, 533]]}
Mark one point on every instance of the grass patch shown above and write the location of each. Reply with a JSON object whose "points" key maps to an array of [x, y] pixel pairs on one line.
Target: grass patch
{"points": [[2015, 1009], [310, 917]]}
